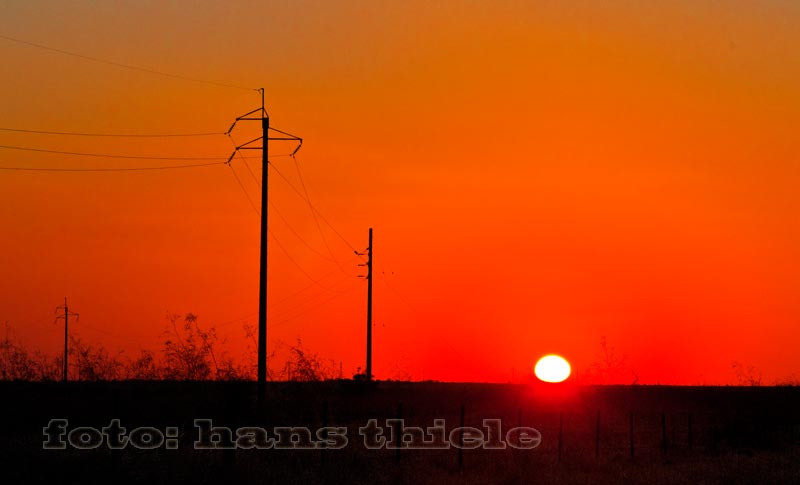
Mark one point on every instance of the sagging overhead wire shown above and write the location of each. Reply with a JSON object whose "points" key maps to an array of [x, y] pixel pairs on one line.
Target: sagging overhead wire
{"points": [[310, 299], [237, 152], [297, 191], [288, 137], [250, 145], [305, 273], [126, 66], [314, 214], [120, 135], [118, 169], [241, 185], [304, 289], [302, 239], [275, 239], [120, 336], [102, 155], [332, 257], [287, 316]]}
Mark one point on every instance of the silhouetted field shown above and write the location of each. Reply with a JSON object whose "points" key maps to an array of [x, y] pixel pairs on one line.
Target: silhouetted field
{"points": [[680, 434]]}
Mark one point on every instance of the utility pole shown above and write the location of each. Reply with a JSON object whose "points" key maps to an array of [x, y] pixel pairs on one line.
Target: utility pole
{"points": [[262, 268], [369, 308], [65, 316], [368, 264]]}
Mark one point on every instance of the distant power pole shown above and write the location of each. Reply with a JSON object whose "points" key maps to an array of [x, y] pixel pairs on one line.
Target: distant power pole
{"points": [[65, 316], [369, 305]]}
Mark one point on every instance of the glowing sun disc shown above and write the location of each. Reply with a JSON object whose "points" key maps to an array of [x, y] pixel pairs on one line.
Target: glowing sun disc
{"points": [[552, 368]]}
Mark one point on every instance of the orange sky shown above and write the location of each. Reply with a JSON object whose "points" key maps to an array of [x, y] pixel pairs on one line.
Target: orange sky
{"points": [[539, 176]]}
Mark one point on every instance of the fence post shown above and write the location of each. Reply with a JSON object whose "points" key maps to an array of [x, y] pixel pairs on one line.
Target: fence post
{"points": [[663, 432], [690, 437]]}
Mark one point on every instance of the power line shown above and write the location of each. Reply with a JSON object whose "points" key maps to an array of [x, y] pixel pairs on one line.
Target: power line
{"points": [[246, 194], [314, 208], [284, 319], [298, 236], [305, 288], [126, 66], [314, 214], [129, 169], [124, 135], [247, 165], [101, 155], [305, 273], [282, 312], [255, 208], [120, 336], [306, 198]]}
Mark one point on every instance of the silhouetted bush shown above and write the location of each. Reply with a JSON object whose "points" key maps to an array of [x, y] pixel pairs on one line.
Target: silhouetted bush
{"points": [[610, 368], [306, 366], [189, 353], [94, 363], [746, 375], [17, 364]]}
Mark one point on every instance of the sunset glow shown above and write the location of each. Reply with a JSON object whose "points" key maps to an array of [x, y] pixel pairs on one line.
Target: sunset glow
{"points": [[615, 181]]}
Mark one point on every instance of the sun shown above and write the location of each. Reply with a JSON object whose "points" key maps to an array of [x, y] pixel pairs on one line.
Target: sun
{"points": [[552, 368]]}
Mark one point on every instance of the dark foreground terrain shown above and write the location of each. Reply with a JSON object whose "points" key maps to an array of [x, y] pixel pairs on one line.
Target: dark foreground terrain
{"points": [[617, 434]]}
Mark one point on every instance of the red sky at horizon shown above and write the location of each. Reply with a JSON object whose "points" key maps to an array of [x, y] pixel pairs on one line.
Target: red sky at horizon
{"points": [[539, 177]]}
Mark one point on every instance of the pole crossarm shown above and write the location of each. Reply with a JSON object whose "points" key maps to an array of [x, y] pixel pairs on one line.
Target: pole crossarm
{"points": [[246, 116], [293, 137], [245, 146], [289, 137]]}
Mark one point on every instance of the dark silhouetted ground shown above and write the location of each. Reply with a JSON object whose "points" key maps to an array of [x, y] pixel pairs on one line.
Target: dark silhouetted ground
{"points": [[737, 434]]}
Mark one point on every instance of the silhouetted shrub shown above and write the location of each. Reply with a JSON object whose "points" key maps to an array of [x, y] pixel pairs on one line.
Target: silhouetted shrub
{"points": [[305, 366], [94, 363], [17, 364]]}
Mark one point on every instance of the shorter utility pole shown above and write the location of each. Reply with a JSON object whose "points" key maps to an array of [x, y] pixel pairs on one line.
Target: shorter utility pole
{"points": [[368, 264], [65, 316]]}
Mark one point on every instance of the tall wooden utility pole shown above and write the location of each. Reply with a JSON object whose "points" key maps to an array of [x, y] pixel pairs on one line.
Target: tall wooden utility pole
{"points": [[262, 268], [65, 316], [369, 307]]}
